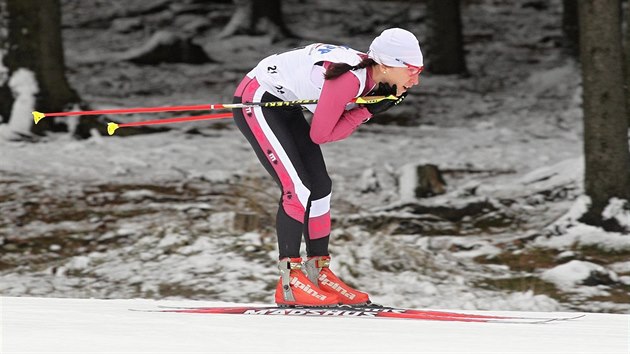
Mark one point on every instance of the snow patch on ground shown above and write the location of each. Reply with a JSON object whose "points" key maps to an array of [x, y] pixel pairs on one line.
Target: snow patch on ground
{"points": [[574, 273], [585, 235], [619, 210], [567, 231]]}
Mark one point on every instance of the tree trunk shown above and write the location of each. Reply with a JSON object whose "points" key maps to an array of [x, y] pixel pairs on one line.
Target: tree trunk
{"points": [[626, 59], [607, 158], [446, 54], [248, 13], [5, 93], [35, 44], [570, 27]]}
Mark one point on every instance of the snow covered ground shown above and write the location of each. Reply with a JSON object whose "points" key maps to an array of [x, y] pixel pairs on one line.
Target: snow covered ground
{"points": [[48, 325], [151, 216]]}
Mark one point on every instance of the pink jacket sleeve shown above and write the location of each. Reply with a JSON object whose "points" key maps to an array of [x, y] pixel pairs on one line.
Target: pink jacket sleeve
{"points": [[331, 122]]}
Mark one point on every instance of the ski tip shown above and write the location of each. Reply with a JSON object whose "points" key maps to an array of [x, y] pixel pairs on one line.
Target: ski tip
{"points": [[569, 318], [37, 116], [111, 128]]}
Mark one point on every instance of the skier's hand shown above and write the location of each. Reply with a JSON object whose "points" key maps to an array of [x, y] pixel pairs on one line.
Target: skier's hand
{"points": [[383, 89], [382, 106]]}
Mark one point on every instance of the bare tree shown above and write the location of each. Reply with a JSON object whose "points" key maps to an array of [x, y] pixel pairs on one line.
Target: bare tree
{"points": [[446, 55], [626, 59], [5, 93], [249, 13], [606, 151], [35, 45]]}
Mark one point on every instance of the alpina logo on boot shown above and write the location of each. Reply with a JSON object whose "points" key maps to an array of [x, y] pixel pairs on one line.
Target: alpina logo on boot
{"points": [[335, 286], [307, 289]]}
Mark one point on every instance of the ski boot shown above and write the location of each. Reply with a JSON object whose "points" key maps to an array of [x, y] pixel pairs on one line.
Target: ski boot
{"points": [[295, 289], [318, 271]]}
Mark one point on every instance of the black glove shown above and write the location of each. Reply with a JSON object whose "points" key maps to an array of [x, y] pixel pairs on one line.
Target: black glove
{"points": [[384, 89]]}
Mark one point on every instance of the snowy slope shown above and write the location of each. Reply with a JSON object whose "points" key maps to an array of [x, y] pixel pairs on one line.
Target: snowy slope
{"points": [[48, 325]]}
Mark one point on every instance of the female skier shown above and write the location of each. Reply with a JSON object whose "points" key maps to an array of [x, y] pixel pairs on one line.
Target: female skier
{"points": [[288, 147]]}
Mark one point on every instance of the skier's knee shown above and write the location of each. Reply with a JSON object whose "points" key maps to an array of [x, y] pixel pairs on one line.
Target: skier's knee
{"points": [[294, 205]]}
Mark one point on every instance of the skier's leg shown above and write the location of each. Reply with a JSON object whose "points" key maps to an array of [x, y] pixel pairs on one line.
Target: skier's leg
{"points": [[271, 137], [267, 132], [317, 220], [317, 225]]}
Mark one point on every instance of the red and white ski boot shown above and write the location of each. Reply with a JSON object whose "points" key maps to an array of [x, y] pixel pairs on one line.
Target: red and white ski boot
{"points": [[295, 289], [318, 271]]}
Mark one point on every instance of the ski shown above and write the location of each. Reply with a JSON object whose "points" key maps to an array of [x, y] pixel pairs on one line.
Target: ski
{"points": [[366, 311]]}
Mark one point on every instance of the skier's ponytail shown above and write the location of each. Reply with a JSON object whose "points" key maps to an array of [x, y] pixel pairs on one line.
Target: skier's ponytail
{"points": [[337, 69]]}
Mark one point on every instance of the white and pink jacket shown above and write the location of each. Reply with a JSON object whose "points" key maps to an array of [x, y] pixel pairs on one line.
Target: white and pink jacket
{"points": [[299, 74]]}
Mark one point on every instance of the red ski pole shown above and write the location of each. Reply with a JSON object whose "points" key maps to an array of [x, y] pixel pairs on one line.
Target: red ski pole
{"points": [[111, 127], [37, 116]]}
